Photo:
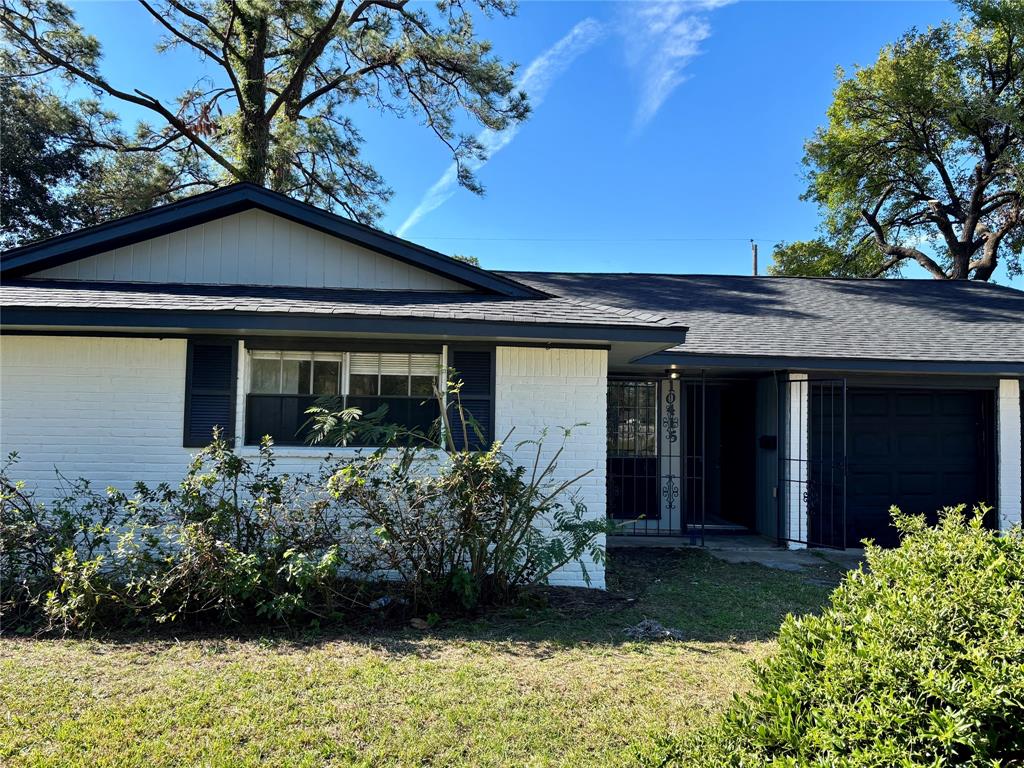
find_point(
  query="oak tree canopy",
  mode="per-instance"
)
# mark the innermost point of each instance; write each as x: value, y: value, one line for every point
x: 922, y: 158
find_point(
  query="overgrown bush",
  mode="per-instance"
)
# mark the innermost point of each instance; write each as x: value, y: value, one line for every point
x: 236, y: 541
x: 918, y: 661
x: 463, y: 529
x: 460, y: 528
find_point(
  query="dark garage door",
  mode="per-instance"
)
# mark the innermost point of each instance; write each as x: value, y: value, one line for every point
x: 918, y: 449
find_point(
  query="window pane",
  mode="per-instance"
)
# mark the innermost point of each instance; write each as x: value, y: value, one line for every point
x: 394, y: 385
x: 325, y: 377
x: 362, y: 384
x: 423, y: 385
x: 295, y: 377
x: 266, y: 375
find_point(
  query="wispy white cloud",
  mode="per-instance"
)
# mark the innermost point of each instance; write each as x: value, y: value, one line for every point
x: 536, y: 80
x: 661, y: 39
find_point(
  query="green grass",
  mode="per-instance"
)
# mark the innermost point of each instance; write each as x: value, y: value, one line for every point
x: 555, y: 685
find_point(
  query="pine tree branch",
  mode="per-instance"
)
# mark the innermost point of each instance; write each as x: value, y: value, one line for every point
x: 181, y: 35
x: 138, y: 98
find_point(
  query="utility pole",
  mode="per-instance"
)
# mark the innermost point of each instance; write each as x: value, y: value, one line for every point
x: 753, y: 252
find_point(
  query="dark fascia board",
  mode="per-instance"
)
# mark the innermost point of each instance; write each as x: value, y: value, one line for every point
x: 1009, y: 368
x: 241, y: 323
x: 236, y: 198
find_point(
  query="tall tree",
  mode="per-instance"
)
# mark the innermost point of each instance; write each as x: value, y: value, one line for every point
x: 922, y: 159
x: 55, y: 175
x: 276, y: 109
x: 57, y: 170
x: 42, y: 161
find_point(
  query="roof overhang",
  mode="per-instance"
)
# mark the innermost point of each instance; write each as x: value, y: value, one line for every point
x: 625, y: 343
x: 236, y: 198
x: 689, y: 361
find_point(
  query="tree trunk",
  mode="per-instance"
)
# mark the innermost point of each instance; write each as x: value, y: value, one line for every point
x: 961, y: 261
x: 986, y: 265
x: 252, y: 139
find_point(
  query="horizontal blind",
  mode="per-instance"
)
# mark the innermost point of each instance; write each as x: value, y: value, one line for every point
x: 364, y: 362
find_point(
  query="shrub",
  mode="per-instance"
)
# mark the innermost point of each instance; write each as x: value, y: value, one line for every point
x: 917, y: 661
x: 234, y: 541
x: 466, y: 528
x: 460, y: 528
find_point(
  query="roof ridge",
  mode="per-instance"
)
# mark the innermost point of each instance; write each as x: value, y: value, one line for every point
x: 637, y: 314
x: 808, y: 278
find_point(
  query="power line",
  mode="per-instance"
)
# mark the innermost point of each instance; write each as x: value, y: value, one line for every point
x: 597, y: 239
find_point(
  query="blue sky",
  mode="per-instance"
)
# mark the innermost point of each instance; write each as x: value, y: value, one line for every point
x: 664, y: 137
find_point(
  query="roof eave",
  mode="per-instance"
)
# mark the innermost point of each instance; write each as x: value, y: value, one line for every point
x: 1009, y: 368
x: 55, y: 319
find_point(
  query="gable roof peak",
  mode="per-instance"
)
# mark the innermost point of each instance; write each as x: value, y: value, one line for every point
x: 235, y: 198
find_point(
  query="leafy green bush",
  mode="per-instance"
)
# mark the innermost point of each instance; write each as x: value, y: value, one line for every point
x: 918, y: 661
x: 234, y: 541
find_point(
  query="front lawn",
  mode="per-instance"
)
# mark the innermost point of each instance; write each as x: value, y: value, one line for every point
x: 557, y: 685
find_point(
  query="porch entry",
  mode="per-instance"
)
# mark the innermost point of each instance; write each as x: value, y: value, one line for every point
x: 681, y: 455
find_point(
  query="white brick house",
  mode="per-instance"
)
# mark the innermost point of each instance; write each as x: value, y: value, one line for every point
x: 797, y: 409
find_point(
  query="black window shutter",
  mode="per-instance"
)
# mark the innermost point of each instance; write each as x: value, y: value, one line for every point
x: 475, y: 368
x: 210, y: 381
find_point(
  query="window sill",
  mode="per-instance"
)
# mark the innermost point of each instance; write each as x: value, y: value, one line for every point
x: 318, y: 452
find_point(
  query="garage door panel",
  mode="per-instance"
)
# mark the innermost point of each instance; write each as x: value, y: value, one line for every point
x: 916, y: 485
x: 868, y: 404
x: 877, y: 485
x: 959, y: 446
x: 873, y: 444
x: 919, y: 444
x: 914, y: 404
x: 917, y: 449
x: 956, y: 404
x: 959, y: 488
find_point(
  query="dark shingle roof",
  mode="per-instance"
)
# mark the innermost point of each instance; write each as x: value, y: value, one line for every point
x: 456, y: 306
x: 926, y: 320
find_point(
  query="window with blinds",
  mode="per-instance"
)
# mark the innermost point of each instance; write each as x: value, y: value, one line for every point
x: 283, y: 384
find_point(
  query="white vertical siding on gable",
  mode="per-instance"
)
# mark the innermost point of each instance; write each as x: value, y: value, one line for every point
x: 176, y: 264
x: 253, y: 248
x: 158, y: 254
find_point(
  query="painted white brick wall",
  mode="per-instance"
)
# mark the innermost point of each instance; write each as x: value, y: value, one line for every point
x: 551, y: 388
x: 111, y: 410
x: 1009, y: 453
x: 108, y: 409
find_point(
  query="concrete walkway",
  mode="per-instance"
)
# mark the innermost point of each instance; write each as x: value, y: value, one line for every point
x: 750, y: 549
x: 773, y: 556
